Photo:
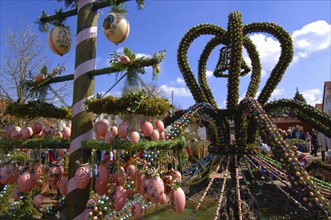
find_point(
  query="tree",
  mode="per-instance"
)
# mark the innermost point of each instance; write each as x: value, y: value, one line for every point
x: 23, y: 58
x: 298, y: 96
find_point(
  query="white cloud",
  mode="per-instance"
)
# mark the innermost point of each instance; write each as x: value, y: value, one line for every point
x: 277, y: 92
x: 180, y: 81
x: 138, y: 55
x: 181, y: 91
x: 209, y: 73
x: 311, y: 38
x: 312, y: 96
x: 269, y: 52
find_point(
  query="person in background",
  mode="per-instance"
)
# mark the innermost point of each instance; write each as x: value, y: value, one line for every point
x: 298, y: 133
x: 323, y: 144
x: 314, y: 143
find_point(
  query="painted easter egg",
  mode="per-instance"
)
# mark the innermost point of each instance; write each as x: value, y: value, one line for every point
x: 59, y: 40
x: 116, y: 27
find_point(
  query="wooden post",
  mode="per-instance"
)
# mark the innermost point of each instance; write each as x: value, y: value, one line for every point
x: 82, y: 121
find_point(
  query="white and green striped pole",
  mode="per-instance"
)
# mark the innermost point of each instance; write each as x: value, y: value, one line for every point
x: 82, y: 121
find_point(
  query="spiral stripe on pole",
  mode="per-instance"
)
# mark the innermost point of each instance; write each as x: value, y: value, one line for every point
x: 82, y: 121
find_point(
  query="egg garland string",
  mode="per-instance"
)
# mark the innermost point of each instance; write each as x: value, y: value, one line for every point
x: 277, y: 164
x: 238, y: 188
x: 198, y: 170
x: 219, y: 201
x: 288, y: 195
x: 204, y: 193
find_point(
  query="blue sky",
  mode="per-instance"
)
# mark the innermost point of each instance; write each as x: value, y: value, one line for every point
x: 162, y: 24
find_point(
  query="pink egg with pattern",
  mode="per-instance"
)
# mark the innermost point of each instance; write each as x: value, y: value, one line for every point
x: 119, y: 198
x: 37, y: 128
x: 136, y: 210
x: 26, y: 133
x: 134, y: 137
x: 123, y: 129
x: 82, y: 177
x: 38, y: 200
x: 24, y: 182
x: 100, y: 187
x: 155, y: 136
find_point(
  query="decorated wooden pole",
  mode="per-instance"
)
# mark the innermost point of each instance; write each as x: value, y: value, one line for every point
x: 82, y: 121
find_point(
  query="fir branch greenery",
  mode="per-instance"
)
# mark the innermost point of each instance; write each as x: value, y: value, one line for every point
x: 35, y: 143
x: 141, y: 145
x: 34, y: 109
x: 132, y: 102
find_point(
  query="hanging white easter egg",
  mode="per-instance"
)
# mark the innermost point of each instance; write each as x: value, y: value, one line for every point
x: 116, y: 27
x: 59, y: 40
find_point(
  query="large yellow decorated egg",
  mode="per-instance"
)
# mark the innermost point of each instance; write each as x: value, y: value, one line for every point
x: 116, y: 27
x: 59, y: 40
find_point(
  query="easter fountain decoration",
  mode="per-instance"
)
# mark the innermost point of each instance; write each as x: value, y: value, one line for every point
x: 250, y: 118
x: 132, y: 175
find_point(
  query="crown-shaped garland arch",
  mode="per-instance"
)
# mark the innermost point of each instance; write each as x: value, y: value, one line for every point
x: 249, y: 115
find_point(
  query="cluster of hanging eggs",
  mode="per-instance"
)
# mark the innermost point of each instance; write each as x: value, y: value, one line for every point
x: 104, y: 131
x: 115, y: 27
x: 37, y: 130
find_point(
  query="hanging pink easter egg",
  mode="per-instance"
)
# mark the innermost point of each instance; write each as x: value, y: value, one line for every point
x: 5, y: 174
x: 121, y: 175
x: 82, y: 177
x: 8, y: 131
x: 100, y: 187
x: 123, y: 129
x: 15, y: 134
x: 16, y: 194
x: 39, y: 78
x: 155, y: 189
x: 131, y: 170
x: 109, y: 137
x: 116, y: 27
x: 136, y: 210
x: 66, y: 133
x: 38, y: 200
x: 119, y: 198
x: 26, y: 133
x: 177, y: 199
x: 125, y: 60
x: 159, y: 126
x: 101, y: 127
x: 54, y: 176
x: 59, y: 40
x: 24, y: 182
x: 114, y: 130
x: 62, y: 185
x: 37, y: 127
x: 129, y: 193
x: 134, y: 137
x: 103, y: 172
x: 155, y: 136
x: 177, y: 176
x: 162, y: 135
x: 146, y: 128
